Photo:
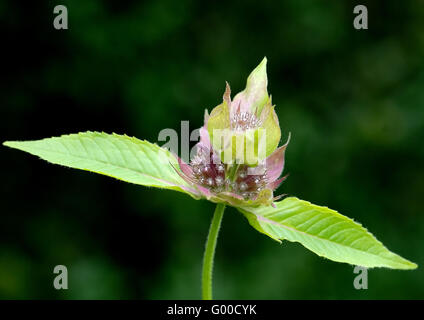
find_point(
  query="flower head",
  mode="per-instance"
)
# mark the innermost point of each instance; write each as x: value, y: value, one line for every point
x: 237, y: 159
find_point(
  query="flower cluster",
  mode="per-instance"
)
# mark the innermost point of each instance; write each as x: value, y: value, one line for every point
x: 220, y: 171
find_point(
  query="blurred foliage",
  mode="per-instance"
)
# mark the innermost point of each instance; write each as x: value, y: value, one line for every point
x: 353, y: 101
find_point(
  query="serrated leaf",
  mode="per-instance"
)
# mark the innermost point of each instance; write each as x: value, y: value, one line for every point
x: 325, y: 232
x: 118, y: 156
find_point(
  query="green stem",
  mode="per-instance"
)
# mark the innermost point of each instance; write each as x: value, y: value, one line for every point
x: 210, y: 252
x: 233, y: 171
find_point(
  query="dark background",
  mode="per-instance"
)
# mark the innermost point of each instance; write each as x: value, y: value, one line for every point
x: 352, y: 99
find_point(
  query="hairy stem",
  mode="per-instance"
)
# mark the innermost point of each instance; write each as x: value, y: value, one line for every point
x: 210, y: 252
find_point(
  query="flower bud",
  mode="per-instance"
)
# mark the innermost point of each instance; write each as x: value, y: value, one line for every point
x: 245, y: 130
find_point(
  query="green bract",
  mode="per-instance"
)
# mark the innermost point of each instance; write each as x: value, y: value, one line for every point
x: 254, y: 97
x: 246, y: 130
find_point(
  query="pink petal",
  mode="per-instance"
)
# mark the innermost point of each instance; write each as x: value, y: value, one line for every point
x: 206, y: 118
x: 187, y: 174
x: 185, y: 168
x: 227, y: 94
x: 205, y: 191
x: 237, y: 106
x: 204, y: 137
x: 185, y: 177
x: 275, y: 162
x: 204, y: 141
x: 276, y: 183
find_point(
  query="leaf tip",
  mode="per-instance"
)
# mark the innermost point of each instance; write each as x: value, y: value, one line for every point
x: 10, y: 144
x: 411, y: 266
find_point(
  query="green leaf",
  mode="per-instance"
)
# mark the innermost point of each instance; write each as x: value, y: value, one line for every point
x: 118, y: 156
x: 325, y: 232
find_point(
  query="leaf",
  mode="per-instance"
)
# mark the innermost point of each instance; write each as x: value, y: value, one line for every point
x: 118, y: 156
x: 325, y: 232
